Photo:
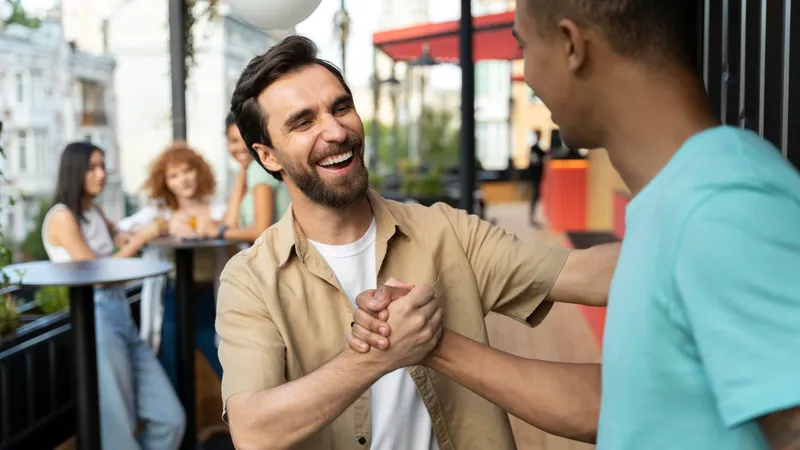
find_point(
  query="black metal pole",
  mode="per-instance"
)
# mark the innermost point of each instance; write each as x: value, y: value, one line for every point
x: 467, y: 161
x: 81, y: 299
x: 395, y: 126
x: 184, y: 266
x: 177, y: 56
x: 344, y: 41
x: 376, y: 100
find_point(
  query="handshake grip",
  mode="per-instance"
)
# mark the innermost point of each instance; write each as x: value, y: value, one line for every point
x: 398, y: 324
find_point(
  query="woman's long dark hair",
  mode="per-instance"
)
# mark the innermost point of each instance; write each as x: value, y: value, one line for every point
x: 72, y: 176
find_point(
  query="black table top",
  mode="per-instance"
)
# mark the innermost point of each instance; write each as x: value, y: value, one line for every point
x: 172, y: 242
x: 84, y: 273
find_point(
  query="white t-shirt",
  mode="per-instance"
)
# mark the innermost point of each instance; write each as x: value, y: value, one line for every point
x: 399, y: 418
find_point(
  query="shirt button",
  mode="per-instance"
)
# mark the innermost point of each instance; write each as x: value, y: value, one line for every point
x: 362, y: 440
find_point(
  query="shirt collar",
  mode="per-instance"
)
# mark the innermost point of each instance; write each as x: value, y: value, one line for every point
x: 290, y: 237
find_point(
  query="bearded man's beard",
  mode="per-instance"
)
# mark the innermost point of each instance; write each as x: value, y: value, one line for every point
x: 342, y: 191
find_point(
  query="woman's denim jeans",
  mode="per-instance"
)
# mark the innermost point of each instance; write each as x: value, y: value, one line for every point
x: 133, y: 386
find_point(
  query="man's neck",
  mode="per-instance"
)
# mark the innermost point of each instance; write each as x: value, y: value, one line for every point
x: 648, y: 123
x: 333, y: 226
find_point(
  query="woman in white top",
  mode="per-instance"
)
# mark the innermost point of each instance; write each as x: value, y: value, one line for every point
x: 133, y: 387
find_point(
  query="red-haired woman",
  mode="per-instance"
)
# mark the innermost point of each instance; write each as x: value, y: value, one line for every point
x: 180, y: 186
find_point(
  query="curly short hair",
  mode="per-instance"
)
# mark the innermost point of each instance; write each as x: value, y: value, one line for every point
x: 289, y: 56
x: 639, y: 29
x: 178, y: 153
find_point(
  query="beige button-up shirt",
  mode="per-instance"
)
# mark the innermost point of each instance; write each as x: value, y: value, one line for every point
x: 281, y: 313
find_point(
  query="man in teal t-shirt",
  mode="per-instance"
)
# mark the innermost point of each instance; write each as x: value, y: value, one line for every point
x: 702, y: 337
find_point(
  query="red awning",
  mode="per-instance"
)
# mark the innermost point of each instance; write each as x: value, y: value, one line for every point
x: 492, y: 40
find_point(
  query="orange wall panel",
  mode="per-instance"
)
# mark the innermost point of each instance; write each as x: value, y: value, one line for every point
x: 564, y: 194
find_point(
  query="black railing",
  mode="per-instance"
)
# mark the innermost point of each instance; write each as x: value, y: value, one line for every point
x: 749, y: 52
x: 37, y: 402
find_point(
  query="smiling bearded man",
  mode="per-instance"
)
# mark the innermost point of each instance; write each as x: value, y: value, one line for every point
x: 286, y: 304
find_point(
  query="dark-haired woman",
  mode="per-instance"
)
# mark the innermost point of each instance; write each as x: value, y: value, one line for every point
x: 133, y: 387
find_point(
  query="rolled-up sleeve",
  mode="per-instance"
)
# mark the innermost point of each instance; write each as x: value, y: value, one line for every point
x: 513, y: 275
x: 251, y: 350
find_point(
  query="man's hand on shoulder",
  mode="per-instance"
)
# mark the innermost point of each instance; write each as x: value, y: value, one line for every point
x: 402, y: 322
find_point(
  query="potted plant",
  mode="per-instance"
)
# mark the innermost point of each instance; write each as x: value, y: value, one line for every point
x: 52, y: 299
x: 9, y: 317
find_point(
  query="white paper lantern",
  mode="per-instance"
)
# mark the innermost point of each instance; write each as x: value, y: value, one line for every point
x: 274, y: 14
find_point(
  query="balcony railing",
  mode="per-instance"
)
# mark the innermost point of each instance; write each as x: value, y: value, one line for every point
x: 37, y: 379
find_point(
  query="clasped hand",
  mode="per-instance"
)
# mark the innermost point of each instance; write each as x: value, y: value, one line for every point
x: 404, y: 322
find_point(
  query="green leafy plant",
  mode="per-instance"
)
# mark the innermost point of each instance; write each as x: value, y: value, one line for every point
x: 20, y: 16
x: 9, y: 317
x: 440, y: 138
x: 52, y: 299
x: 33, y: 247
x: 190, y: 19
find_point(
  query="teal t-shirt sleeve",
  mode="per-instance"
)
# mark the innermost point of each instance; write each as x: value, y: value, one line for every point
x: 738, y: 276
x: 257, y: 175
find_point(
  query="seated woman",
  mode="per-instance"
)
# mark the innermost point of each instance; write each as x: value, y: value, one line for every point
x: 180, y: 186
x: 258, y: 199
x: 133, y: 387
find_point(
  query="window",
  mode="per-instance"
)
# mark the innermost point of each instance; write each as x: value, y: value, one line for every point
x: 19, y: 84
x: 40, y: 144
x: 37, y: 87
x: 22, y: 150
x: 91, y: 98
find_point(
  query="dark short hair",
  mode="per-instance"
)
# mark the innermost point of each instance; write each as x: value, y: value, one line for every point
x: 287, y: 57
x: 648, y: 30
x: 70, y: 187
x: 229, y: 121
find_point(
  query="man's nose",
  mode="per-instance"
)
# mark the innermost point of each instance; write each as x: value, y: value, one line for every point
x: 333, y: 131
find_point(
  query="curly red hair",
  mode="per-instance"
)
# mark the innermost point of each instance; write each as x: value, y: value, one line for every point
x: 178, y: 153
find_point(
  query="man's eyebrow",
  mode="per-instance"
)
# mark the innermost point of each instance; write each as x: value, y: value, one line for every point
x: 296, y: 116
x: 342, y: 99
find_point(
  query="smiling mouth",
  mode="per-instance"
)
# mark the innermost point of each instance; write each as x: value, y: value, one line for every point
x: 336, y: 162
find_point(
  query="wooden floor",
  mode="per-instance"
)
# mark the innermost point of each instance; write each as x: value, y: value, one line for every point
x: 563, y: 336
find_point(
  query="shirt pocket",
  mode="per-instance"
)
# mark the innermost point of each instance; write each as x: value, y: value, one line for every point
x: 460, y: 302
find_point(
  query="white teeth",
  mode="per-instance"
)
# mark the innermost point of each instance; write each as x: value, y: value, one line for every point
x: 336, y: 159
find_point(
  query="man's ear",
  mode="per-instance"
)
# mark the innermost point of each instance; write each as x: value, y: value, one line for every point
x: 574, y: 41
x: 267, y: 157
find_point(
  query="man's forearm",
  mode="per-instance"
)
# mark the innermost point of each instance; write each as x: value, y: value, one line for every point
x: 286, y: 415
x: 559, y: 398
x: 586, y: 276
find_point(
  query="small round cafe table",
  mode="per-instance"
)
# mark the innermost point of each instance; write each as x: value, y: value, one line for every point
x: 81, y: 277
x: 184, y: 283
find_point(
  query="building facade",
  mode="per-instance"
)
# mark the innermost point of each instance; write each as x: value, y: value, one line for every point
x: 138, y: 39
x: 136, y: 34
x: 493, y: 138
x: 51, y: 94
